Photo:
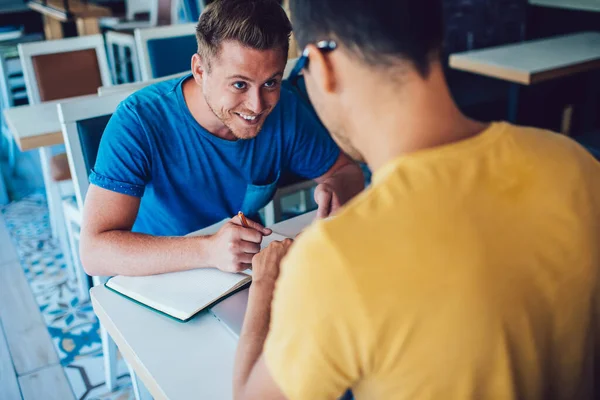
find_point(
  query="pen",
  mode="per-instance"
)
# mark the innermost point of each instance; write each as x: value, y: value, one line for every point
x: 243, y: 219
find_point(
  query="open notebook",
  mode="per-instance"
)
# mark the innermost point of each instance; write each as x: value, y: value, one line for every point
x: 181, y: 295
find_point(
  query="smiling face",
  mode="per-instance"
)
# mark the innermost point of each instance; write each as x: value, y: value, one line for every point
x: 241, y: 86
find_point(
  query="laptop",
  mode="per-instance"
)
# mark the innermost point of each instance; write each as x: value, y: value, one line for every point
x: 231, y: 311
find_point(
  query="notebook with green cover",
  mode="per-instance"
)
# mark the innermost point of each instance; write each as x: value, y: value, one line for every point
x: 182, y: 295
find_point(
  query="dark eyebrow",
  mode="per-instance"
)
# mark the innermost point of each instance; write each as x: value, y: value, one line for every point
x: 276, y: 75
x: 242, y: 77
x: 245, y: 78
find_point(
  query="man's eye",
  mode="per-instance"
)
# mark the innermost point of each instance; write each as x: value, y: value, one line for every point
x: 239, y: 85
x: 271, y: 84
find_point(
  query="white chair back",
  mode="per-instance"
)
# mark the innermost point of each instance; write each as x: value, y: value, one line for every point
x: 143, y: 36
x: 27, y: 51
x: 108, y: 90
x: 72, y: 113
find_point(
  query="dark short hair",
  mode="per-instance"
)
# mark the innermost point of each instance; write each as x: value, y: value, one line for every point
x: 257, y: 24
x: 379, y: 32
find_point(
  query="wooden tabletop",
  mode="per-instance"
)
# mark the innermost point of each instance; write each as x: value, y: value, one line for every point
x: 35, y: 126
x: 534, y: 61
x: 77, y: 8
x: 584, y: 5
x: 175, y: 360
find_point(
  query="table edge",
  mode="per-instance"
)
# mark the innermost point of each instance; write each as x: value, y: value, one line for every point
x: 126, y: 350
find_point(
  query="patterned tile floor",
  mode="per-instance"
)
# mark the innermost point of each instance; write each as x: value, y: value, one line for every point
x: 72, y: 324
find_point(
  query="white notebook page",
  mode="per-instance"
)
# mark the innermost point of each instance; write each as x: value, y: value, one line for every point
x: 179, y: 294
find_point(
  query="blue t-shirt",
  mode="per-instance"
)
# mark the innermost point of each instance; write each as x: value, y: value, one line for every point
x: 188, y: 178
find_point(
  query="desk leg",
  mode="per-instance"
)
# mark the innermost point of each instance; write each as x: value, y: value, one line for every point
x: 109, y: 350
x: 139, y: 389
x: 87, y: 26
x: 592, y: 101
x: 52, y: 28
x: 513, y: 102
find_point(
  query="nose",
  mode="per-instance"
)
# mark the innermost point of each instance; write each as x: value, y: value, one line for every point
x: 255, y: 101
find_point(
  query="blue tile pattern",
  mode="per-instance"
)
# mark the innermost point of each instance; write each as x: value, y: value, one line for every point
x: 72, y: 324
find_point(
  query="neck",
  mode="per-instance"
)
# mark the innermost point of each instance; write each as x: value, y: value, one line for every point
x: 409, y: 115
x: 204, y: 116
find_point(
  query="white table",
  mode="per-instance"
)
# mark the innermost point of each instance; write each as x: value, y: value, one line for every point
x: 175, y: 360
x: 584, y: 5
x: 533, y: 61
x: 36, y: 126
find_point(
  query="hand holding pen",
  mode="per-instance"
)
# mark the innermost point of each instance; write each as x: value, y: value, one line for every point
x: 234, y: 245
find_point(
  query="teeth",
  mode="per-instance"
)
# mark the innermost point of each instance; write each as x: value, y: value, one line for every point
x: 247, y: 117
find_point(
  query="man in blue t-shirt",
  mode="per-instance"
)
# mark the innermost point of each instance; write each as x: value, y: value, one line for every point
x: 184, y: 154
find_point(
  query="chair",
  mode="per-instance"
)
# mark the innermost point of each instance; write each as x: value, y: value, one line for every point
x: 83, y: 123
x: 165, y: 50
x: 122, y: 57
x: 106, y: 90
x: 190, y: 10
x: 59, y: 69
x: 138, y: 14
x: 12, y: 86
x: 12, y: 93
x: 274, y: 211
x: 120, y: 43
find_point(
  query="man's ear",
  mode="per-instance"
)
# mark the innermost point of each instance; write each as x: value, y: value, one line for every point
x: 198, y: 68
x: 321, y: 69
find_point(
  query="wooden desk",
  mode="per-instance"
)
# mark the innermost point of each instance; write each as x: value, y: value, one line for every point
x: 534, y: 61
x: 175, y: 360
x: 36, y: 126
x: 583, y: 5
x: 33, y: 127
x: 85, y: 16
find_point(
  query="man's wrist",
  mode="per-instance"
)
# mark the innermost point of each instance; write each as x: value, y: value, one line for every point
x: 202, y: 253
x: 263, y: 286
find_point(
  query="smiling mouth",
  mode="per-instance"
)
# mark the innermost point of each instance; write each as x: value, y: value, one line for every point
x: 249, y: 119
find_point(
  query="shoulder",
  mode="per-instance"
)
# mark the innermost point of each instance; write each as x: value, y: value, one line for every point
x: 530, y: 137
x: 553, y: 151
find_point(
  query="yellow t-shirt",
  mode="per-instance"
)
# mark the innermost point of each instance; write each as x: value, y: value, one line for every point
x: 468, y: 271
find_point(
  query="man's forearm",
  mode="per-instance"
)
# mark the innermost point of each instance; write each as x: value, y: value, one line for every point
x: 127, y: 253
x: 253, y: 335
x: 347, y: 182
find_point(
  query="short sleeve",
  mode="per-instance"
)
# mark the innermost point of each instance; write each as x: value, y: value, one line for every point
x: 318, y: 339
x: 123, y: 162
x: 310, y: 150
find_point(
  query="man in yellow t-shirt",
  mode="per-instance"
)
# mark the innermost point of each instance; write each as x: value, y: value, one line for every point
x: 469, y: 268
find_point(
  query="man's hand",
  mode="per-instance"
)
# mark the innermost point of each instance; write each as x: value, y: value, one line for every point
x: 265, y: 265
x: 338, y: 185
x: 265, y: 270
x: 233, y: 246
x: 327, y: 200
